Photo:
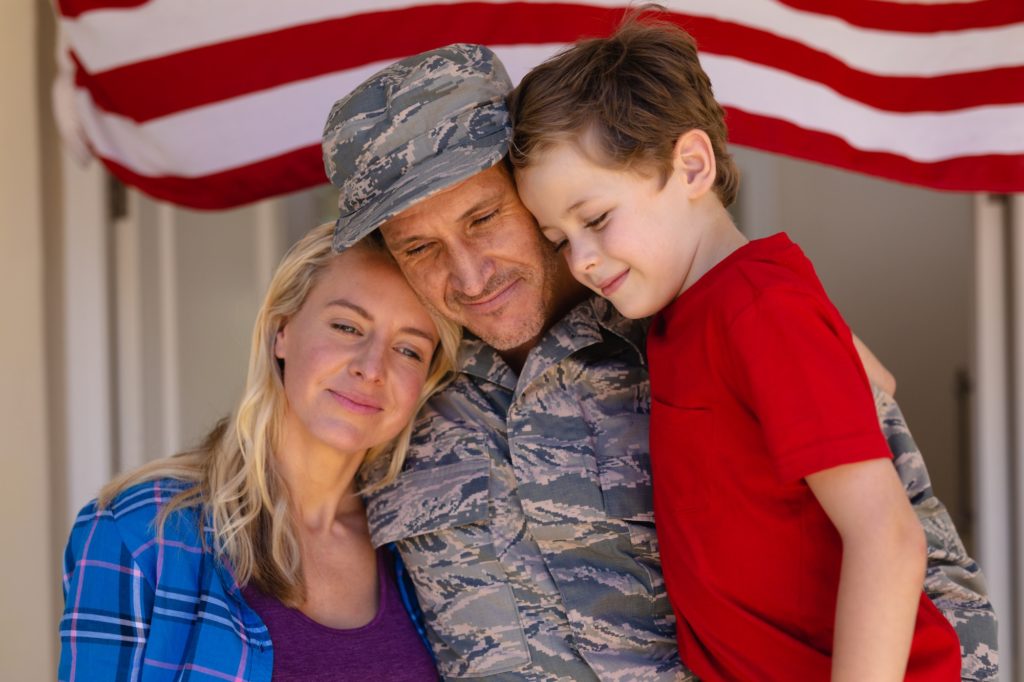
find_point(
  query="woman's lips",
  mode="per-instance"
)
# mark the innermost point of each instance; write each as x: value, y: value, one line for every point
x: 356, y: 403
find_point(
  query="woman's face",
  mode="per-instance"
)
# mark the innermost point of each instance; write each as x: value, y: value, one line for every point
x: 356, y: 355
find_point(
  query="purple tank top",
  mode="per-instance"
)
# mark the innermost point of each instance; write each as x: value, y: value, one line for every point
x: 386, y: 648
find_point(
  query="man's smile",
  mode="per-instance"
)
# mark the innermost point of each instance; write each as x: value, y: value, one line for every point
x: 491, y: 302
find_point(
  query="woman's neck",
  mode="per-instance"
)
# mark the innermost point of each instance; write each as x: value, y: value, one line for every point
x: 321, y: 483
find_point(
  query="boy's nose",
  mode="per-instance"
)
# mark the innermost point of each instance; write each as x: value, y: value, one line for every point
x: 582, y: 257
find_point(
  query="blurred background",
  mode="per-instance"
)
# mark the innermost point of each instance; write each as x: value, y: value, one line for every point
x: 131, y: 282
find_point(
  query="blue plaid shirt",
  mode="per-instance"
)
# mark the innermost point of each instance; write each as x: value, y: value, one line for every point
x: 138, y: 608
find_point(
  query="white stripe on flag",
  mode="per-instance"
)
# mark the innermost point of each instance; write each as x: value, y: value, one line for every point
x: 921, y: 136
x: 188, y: 24
x: 224, y: 135
x: 105, y: 39
x: 891, y: 53
x: 247, y: 129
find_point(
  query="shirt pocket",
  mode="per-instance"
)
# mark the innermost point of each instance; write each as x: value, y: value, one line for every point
x: 438, y: 517
x: 624, y: 467
x: 681, y: 445
x: 624, y: 473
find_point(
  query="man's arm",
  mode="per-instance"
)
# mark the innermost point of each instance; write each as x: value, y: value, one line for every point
x: 953, y: 580
x: 874, y: 623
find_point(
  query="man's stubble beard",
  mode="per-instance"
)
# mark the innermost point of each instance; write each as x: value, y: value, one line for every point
x: 527, y: 330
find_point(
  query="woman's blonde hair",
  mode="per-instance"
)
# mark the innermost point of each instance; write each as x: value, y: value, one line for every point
x: 236, y: 484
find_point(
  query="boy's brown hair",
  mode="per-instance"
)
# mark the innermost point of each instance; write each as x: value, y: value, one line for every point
x: 637, y: 91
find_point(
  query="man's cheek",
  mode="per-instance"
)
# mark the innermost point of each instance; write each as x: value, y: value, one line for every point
x: 420, y: 279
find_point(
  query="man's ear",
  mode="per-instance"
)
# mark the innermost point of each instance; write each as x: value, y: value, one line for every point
x: 693, y: 158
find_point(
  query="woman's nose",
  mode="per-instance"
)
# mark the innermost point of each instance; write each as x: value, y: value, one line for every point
x: 368, y: 363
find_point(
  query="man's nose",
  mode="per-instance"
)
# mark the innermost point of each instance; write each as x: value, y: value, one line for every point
x: 469, y: 270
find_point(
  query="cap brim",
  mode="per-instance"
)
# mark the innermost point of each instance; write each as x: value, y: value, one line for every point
x: 424, y: 180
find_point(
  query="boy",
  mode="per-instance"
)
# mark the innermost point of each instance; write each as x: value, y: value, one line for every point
x: 789, y: 547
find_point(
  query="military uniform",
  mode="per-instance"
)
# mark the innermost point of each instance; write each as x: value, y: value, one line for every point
x: 953, y: 581
x: 524, y: 517
x: 524, y: 513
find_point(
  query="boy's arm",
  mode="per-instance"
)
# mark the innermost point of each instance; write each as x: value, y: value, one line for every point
x: 874, y: 619
x: 953, y: 581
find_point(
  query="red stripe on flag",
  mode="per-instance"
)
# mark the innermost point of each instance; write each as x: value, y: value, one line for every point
x: 73, y: 8
x: 214, y: 73
x: 290, y: 172
x: 987, y: 173
x: 888, y: 93
x: 917, y: 18
x: 302, y: 168
x: 162, y: 86
x: 879, y: 14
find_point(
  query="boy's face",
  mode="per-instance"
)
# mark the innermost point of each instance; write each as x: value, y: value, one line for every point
x: 623, y: 234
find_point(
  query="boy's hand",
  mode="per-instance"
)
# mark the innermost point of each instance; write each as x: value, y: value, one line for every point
x: 876, y: 371
x: 881, y: 536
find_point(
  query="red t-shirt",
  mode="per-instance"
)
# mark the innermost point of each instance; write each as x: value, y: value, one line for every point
x: 755, y: 384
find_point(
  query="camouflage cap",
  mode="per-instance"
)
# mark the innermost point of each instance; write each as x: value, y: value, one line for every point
x: 413, y: 129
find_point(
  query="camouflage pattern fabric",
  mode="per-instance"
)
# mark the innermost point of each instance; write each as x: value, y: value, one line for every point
x: 524, y: 513
x: 524, y: 517
x: 418, y: 126
x: 953, y: 581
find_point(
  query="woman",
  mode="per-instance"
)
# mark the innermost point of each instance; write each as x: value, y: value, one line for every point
x: 249, y: 558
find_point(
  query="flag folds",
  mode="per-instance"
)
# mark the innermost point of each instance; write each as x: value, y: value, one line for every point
x: 215, y: 104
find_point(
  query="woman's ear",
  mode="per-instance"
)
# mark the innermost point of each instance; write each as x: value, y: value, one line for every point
x: 279, y: 343
x: 694, y: 158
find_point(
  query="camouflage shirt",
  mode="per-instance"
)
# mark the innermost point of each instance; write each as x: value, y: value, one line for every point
x: 953, y: 580
x: 524, y: 516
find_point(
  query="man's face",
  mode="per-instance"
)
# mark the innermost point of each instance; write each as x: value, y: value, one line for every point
x: 474, y: 253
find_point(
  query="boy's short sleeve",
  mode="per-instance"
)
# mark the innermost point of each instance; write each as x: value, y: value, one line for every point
x: 795, y: 366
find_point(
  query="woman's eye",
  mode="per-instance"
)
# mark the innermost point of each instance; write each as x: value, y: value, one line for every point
x: 344, y: 328
x: 410, y: 353
x: 560, y: 245
x: 597, y: 223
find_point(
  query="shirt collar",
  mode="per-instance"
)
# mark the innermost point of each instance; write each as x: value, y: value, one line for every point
x: 585, y: 325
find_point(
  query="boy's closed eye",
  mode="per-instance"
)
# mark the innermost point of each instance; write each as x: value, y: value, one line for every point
x: 597, y: 223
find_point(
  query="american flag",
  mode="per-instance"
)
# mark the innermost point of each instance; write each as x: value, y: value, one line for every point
x: 215, y: 103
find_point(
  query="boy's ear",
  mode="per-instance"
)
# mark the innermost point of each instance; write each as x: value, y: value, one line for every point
x: 694, y: 158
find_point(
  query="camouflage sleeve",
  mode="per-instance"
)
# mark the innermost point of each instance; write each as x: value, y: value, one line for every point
x: 953, y: 580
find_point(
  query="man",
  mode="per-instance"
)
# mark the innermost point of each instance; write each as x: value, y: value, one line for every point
x: 524, y: 509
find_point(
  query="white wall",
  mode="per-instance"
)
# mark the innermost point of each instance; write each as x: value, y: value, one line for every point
x: 187, y: 290
x: 27, y: 572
